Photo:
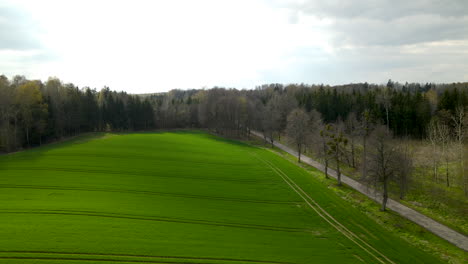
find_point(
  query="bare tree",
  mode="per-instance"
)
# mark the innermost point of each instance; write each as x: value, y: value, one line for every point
x: 315, y: 124
x: 297, y: 129
x: 365, y: 130
x: 351, y: 129
x: 322, y: 148
x: 384, y: 99
x: 433, y: 137
x: 405, y: 168
x: 317, y: 141
x: 336, y: 144
x: 282, y: 106
x: 270, y: 122
x: 444, y: 138
x: 383, y: 160
x: 460, y: 121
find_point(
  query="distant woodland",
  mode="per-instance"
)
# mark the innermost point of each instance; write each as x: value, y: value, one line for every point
x: 361, y: 126
x: 33, y: 111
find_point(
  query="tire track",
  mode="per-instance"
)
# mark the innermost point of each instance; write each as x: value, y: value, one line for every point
x: 158, y: 219
x: 160, y: 158
x: 181, y: 195
x: 135, y: 173
x: 101, y: 260
x: 326, y: 216
x: 139, y: 258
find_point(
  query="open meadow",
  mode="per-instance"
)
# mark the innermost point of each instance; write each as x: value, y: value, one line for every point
x: 178, y: 197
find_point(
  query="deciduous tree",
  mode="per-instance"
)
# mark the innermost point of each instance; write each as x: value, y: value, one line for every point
x: 297, y: 129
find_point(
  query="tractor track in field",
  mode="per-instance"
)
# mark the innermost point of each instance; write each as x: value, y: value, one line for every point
x: 377, y: 255
x: 136, y: 258
x: 159, y: 219
x: 136, y: 173
x: 178, y: 161
x: 179, y: 195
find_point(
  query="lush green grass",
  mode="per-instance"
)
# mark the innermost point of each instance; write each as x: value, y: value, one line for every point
x: 176, y: 197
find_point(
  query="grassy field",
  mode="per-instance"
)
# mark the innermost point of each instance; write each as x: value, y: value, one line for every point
x: 180, y: 197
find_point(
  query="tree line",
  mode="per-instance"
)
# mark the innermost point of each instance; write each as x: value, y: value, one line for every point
x: 32, y: 112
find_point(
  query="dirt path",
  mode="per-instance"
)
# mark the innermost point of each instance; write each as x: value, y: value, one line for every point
x: 433, y: 226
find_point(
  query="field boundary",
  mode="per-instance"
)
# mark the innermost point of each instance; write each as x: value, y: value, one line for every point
x: 428, y: 223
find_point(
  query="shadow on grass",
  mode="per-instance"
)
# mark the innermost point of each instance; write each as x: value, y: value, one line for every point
x: 36, y: 152
x: 226, y: 140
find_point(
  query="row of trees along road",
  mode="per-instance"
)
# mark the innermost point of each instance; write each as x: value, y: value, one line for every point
x: 363, y: 126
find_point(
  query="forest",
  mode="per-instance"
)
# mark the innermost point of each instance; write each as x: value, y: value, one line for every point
x: 371, y: 131
x: 33, y: 111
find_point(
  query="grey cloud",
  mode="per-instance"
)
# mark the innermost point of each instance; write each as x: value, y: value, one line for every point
x: 406, y: 30
x: 428, y: 63
x: 397, y: 22
x: 17, y: 30
x: 378, y: 9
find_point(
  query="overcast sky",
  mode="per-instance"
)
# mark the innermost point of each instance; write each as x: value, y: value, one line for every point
x: 154, y: 46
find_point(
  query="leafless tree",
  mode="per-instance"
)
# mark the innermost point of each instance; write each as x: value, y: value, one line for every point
x: 316, y: 141
x: 433, y: 137
x: 460, y: 120
x: 444, y: 138
x: 384, y: 99
x: 282, y: 106
x: 351, y: 130
x: 365, y: 128
x: 405, y: 168
x: 315, y: 125
x: 270, y: 122
x: 336, y: 145
x: 383, y: 160
x: 297, y: 129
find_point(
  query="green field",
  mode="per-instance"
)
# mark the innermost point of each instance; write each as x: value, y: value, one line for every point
x: 181, y: 197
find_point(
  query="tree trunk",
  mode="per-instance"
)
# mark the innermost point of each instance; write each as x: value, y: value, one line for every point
x: 326, y: 168
x: 15, y: 139
x: 447, y: 172
x: 299, y: 153
x: 462, y: 167
x: 7, y: 134
x: 364, y: 158
x: 402, y: 187
x: 338, y: 171
x: 27, y: 136
x: 434, y: 163
x: 388, y: 122
x: 385, y: 194
x: 353, y: 161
